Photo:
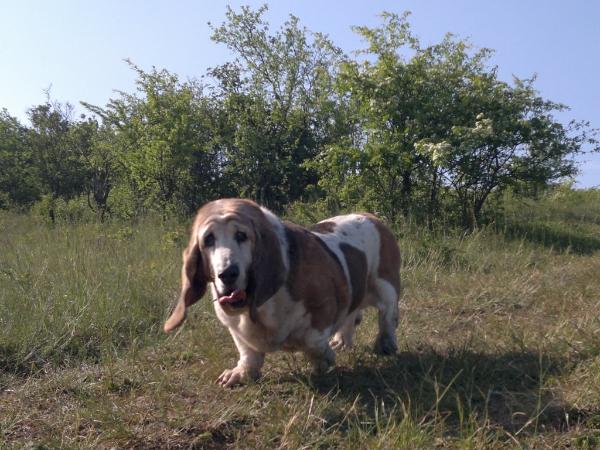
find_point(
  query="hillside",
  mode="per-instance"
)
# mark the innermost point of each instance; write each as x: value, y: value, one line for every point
x: 499, y: 344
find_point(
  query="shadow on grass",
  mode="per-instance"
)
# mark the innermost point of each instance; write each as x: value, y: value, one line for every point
x: 504, y: 390
x: 13, y: 362
x: 548, y: 236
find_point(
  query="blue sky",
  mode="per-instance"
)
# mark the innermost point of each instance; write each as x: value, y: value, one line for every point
x: 78, y: 47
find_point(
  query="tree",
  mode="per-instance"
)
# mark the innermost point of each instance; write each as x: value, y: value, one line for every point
x: 438, y: 130
x: 278, y: 94
x: 18, y: 178
x: 513, y: 140
x: 164, y: 140
x: 55, y: 152
x: 97, y: 147
x: 394, y: 101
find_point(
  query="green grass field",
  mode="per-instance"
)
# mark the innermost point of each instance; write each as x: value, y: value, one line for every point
x: 499, y: 345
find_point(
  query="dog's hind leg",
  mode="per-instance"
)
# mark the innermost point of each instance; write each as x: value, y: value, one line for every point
x: 387, y: 305
x: 319, y: 352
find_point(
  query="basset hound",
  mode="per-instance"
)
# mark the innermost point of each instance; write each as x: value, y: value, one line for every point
x: 279, y: 286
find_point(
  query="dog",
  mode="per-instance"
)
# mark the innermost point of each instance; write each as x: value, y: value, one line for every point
x: 279, y: 286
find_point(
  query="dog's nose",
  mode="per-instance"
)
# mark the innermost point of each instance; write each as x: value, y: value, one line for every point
x: 229, y: 275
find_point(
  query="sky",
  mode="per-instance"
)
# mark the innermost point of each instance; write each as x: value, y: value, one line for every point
x: 77, y: 47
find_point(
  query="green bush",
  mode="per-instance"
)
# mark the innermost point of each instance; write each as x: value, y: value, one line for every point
x: 58, y: 210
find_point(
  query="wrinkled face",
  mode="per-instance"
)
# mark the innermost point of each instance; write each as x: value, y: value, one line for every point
x: 227, y: 243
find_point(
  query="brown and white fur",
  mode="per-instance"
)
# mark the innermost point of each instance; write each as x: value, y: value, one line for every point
x: 304, y: 288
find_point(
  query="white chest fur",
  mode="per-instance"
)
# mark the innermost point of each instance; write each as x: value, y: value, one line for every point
x: 282, y: 323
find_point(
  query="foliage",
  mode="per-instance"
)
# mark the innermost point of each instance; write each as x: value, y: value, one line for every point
x: 279, y: 98
x: 18, y: 178
x: 166, y: 142
x: 439, y: 130
x: 100, y: 162
x: 419, y: 134
x: 56, y: 147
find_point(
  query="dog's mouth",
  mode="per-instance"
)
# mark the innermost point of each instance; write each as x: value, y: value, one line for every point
x: 235, y: 299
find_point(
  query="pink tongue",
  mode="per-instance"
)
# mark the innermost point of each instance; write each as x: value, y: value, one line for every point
x: 235, y: 296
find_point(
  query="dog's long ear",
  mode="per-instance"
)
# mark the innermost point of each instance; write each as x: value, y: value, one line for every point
x: 193, y: 283
x: 267, y: 273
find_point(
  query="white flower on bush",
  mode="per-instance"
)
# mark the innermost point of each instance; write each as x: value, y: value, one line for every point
x: 435, y: 151
x: 483, y: 127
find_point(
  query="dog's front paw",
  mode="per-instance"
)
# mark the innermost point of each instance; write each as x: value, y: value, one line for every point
x: 237, y: 375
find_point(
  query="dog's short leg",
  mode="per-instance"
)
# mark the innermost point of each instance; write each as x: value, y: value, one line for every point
x: 344, y: 337
x: 248, y: 366
x: 320, y: 354
x: 387, y: 305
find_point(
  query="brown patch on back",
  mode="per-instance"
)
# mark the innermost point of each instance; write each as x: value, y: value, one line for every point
x: 316, y: 277
x: 389, y: 254
x: 357, y: 268
x: 323, y: 227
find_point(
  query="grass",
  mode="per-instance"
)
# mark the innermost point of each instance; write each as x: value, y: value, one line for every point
x: 499, y: 346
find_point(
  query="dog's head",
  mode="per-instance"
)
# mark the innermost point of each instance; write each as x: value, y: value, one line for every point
x: 234, y: 247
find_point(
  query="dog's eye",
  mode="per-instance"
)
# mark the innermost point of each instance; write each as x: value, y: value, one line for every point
x: 209, y: 240
x: 240, y: 236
